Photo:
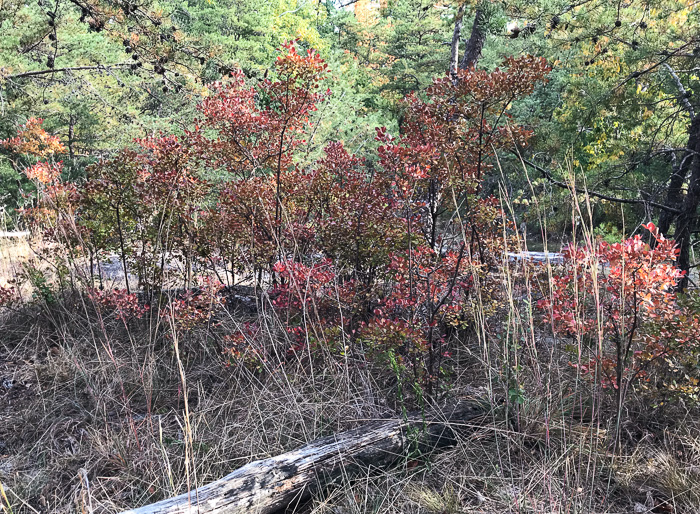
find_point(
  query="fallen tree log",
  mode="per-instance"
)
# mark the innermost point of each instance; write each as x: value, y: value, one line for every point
x: 269, y: 485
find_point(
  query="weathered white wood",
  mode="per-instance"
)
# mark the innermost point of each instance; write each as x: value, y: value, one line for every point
x: 269, y: 485
x: 4, y: 233
x: 540, y: 257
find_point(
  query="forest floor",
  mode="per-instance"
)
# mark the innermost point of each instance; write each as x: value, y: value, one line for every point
x: 99, y: 415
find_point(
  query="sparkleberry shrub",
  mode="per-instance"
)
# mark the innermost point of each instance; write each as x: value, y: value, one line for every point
x: 618, y: 303
x: 311, y: 300
x: 143, y: 205
x: 245, y: 346
x: 124, y: 305
x: 258, y: 128
x: 382, y: 255
x: 256, y: 131
x: 452, y: 235
x: 428, y: 292
x: 355, y: 213
x: 194, y: 307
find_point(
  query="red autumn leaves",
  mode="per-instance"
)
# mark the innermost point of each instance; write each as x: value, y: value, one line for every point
x: 383, y: 253
x: 619, y: 303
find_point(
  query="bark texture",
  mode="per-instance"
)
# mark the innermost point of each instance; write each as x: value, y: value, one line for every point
x: 684, y: 207
x: 270, y: 485
x: 687, y: 220
x: 454, y: 46
x: 476, y: 42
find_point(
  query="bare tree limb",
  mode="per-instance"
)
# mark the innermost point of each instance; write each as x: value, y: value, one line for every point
x: 684, y: 94
x: 63, y: 70
x: 638, y: 201
x: 667, y: 56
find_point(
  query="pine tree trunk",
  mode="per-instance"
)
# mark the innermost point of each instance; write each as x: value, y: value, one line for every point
x: 454, y: 47
x: 674, y: 193
x: 476, y: 42
x: 687, y: 220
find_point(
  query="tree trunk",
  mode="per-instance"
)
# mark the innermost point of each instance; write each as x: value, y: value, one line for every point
x: 674, y: 194
x: 686, y: 222
x: 269, y: 485
x: 689, y: 167
x: 476, y: 42
x: 454, y: 47
x: 71, y: 136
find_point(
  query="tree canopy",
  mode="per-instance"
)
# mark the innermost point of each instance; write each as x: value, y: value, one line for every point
x: 617, y: 111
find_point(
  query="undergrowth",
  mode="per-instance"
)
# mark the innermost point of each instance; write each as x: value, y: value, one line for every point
x: 101, y: 413
x: 169, y: 326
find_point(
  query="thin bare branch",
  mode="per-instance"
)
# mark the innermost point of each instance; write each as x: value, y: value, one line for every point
x: 63, y: 70
x: 638, y: 201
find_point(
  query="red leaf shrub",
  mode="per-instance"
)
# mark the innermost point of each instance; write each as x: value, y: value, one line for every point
x: 619, y: 302
x: 368, y: 256
x: 194, y: 307
x: 125, y: 305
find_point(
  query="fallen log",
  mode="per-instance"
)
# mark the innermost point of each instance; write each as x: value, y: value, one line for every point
x: 538, y: 257
x: 270, y: 485
x: 5, y: 233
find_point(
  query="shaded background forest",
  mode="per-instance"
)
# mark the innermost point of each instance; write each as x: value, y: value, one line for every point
x: 617, y: 109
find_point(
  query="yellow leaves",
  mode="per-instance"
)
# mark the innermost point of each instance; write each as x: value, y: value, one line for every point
x: 637, y: 132
x: 6, y: 72
x: 293, y: 22
x: 378, y: 80
x: 690, y: 388
x: 33, y: 140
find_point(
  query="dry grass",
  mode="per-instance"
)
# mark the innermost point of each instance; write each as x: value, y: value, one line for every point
x: 97, y: 416
x: 14, y: 251
x: 108, y: 404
